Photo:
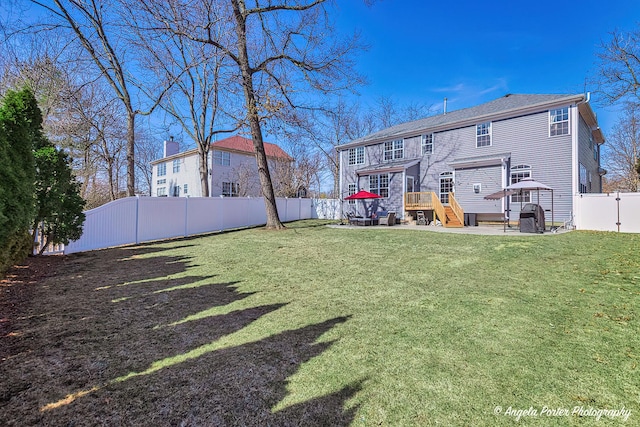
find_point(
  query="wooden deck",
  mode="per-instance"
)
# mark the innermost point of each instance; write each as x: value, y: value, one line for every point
x: 451, y: 215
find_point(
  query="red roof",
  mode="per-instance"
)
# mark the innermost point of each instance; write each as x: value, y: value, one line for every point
x: 238, y: 143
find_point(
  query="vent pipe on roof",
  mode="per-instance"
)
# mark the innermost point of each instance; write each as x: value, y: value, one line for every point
x: 445, y: 107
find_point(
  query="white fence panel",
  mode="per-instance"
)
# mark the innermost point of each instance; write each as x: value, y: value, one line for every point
x: 325, y: 209
x: 203, y: 216
x: 113, y: 224
x: 142, y: 219
x: 256, y: 212
x: 161, y: 218
x: 608, y: 212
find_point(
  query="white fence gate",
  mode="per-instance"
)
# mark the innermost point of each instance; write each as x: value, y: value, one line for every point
x: 142, y: 219
x: 608, y: 212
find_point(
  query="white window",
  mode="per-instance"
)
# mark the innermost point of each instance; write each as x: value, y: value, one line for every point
x: 161, y: 192
x: 221, y: 158
x: 176, y: 166
x: 162, y: 181
x: 559, y: 121
x: 352, y: 191
x: 518, y: 173
x: 584, y: 183
x: 186, y: 189
x: 379, y: 184
x: 230, y: 189
x: 356, y: 156
x: 427, y: 144
x: 394, y: 150
x: 162, y: 169
x: 483, y: 134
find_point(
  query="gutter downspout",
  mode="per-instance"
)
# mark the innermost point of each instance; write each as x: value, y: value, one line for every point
x: 575, y: 160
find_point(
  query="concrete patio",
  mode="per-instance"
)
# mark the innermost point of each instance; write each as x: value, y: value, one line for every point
x: 496, y: 230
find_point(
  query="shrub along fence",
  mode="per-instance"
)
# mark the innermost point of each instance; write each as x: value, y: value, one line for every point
x: 141, y: 219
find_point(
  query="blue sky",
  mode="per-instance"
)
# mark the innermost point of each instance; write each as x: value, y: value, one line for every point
x: 475, y: 51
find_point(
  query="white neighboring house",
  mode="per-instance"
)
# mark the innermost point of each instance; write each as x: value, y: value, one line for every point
x: 233, y: 169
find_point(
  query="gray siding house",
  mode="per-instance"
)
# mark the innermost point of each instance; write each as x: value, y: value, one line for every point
x: 462, y: 156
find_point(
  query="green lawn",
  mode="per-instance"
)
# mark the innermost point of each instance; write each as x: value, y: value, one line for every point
x: 325, y: 326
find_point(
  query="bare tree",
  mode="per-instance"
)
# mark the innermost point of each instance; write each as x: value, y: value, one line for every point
x: 280, y: 50
x: 148, y: 150
x: 342, y: 122
x: 623, y: 151
x: 196, y: 99
x: 618, y: 73
x: 79, y: 116
x: 98, y: 29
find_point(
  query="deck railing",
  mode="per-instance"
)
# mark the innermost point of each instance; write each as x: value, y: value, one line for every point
x: 420, y: 201
x: 426, y: 200
x: 430, y: 201
x: 455, y: 207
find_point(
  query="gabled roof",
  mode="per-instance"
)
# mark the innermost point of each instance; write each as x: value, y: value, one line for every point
x: 233, y: 143
x: 504, y: 107
x: 239, y: 143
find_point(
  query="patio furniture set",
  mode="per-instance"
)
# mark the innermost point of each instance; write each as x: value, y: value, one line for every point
x: 385, y: 218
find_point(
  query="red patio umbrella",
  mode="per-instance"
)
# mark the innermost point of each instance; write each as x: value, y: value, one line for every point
x: 362, y: 195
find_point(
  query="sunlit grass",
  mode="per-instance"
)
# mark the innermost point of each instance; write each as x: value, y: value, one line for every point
x: 436, y: 329
x: 443, y: 327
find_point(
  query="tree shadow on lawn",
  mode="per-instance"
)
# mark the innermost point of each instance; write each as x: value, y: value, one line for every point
x: 226, y: 387
x: 86, y: 327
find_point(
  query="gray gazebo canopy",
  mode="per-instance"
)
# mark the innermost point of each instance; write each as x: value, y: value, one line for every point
x: 526, y: 184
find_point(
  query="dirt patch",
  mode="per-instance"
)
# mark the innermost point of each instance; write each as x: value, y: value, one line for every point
x: 96, y: 339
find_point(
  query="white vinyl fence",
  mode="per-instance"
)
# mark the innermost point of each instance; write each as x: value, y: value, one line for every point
x: 608, y: 212
x: 142, y: 219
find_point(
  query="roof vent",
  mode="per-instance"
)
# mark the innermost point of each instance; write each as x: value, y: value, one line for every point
x: 507, y: 95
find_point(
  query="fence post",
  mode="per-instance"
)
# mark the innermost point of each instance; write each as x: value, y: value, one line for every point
x: 137, y: 218
x: 186, y: 216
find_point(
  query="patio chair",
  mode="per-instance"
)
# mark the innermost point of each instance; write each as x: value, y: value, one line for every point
x: 389, y: 220
x: 421, y: 218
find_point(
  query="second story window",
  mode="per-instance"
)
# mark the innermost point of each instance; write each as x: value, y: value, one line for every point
x: 221, y: 158
x: 559, y: 121
x: 176, y: 166
x: 427, y: 144
x: 483, y: 134
x: 162, y: 169
x: 356, y: 156
x: 394, y: 150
